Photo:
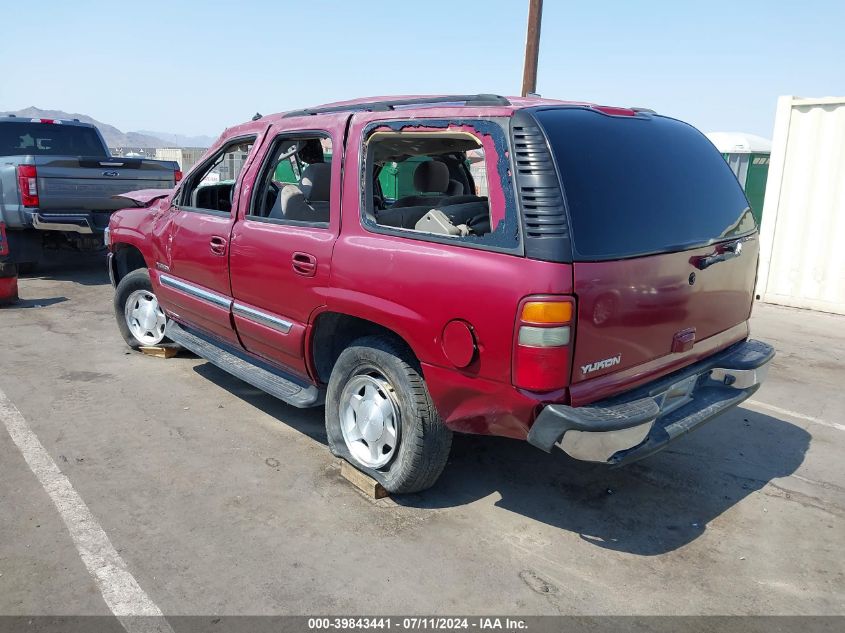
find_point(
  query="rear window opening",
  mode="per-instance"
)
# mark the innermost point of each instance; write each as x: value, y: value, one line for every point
x: 429, y: 182
x: 639, y: 185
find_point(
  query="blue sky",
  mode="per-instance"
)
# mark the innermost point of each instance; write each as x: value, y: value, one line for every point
x: 194, y: 67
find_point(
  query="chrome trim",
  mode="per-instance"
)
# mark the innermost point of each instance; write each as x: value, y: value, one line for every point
x: 600, y: 446
x: 110, y: 265
x: 195, y: 291
x: 262, y: 317
x: 41, y: 224
x: 740, y: 378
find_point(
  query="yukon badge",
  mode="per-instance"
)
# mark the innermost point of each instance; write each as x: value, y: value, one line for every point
x: 601, y: 364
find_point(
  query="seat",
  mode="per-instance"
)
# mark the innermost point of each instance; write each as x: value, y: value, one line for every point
x: 309, y: 200
x: 455, y: 188
x: 431, y: 177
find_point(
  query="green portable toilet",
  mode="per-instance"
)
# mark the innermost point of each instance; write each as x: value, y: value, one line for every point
x: 748, y: 156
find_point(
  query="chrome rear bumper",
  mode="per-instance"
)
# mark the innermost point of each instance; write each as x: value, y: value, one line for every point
x: 67, y: 222
x: 642, y: 422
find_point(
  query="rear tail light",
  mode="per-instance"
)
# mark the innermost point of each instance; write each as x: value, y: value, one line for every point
x: 542, y: 344
x: 4, y: 244
x: 615, y: 111
x: 28, y: 185
x: 177, y: 175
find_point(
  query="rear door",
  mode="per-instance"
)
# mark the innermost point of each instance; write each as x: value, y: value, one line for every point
x: 281, y: 247
x: 194, y: 282
x: 664, y: 244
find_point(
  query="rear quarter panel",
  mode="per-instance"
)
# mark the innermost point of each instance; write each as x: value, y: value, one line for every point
x: 415, y: 288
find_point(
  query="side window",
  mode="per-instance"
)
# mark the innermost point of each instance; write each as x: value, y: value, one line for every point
x: 295, y: 181
x: 212, y: 186
x: 429, y: 182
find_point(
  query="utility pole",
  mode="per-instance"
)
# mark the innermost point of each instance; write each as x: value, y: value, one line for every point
x: 532, y: 47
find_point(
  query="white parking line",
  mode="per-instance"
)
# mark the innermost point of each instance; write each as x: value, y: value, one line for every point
x: 795, y: 414
x: 120, y: 590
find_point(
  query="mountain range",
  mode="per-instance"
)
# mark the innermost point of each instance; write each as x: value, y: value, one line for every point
x: 116, y: 138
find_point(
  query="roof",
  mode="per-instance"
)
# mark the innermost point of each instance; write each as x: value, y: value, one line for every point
x: 740, y: 143
x: 409, y: 102
x: 496, y: 104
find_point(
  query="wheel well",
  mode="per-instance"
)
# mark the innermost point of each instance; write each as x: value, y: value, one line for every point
x: 333, y: 333
x: 126, y: 259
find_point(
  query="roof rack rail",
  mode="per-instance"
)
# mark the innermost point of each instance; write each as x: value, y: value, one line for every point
x: 646, y: 110
x: 382, y: 106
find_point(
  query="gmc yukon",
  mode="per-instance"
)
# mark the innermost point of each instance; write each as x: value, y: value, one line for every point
x: 573, y: 275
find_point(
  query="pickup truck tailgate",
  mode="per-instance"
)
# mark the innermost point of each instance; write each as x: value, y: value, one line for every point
x: 90, y: 183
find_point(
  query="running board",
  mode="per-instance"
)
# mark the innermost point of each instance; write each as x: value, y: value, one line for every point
x: 254, y: 372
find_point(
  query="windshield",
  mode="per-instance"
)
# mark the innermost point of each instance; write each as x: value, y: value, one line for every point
x: 641, y: 185
x: 49, y: 139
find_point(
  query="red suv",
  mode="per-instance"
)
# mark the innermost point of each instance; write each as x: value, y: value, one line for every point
x: 569, y: 274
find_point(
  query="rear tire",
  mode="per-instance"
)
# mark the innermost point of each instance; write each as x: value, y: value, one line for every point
x: 380, y: 417
x: 140, y: 318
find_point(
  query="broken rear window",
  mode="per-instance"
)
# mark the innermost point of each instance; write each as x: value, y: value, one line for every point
x: 430, y: 182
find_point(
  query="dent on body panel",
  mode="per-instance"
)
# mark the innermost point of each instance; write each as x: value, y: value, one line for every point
x: 493, y: 139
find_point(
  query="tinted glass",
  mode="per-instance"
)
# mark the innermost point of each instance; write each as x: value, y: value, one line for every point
x: 639, y: 185
x: 49, y: 139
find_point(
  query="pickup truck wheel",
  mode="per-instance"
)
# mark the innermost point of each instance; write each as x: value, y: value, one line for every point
x: 380, y: 417
x: 140, y: 318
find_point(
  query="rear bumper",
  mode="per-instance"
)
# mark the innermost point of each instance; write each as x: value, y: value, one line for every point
x: 627, y: 428
x: 65, y: 222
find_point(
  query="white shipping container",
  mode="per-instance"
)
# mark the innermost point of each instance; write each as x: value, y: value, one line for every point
x: 802, y: 241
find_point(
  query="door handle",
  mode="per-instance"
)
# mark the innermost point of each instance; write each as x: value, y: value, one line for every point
x: 217, y: 245
x: 304, y: 264
x: 722, y: 253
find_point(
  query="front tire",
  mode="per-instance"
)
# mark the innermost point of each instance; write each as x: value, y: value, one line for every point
x: 380, y: 417
x: 140, y: 318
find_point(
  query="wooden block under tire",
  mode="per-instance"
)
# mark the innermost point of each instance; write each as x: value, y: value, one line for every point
x: 362, y: 481
x: 159, y: 351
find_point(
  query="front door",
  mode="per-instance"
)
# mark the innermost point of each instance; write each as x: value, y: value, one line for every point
x: 194, y: 283
x: 280, y: 253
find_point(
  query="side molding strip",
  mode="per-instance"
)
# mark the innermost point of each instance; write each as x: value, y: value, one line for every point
x: 262, y: 317
x: 196, y: 291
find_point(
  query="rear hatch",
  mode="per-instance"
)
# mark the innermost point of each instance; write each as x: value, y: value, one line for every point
x: 89, y: 183
x: 663, y: 244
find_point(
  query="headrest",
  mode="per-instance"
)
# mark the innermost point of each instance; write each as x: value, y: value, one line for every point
x: 432, y: 176
x: 316, y: 182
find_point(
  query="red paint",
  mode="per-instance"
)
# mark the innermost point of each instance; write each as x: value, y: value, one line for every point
x: 636, y: 306
x: 457, y: 308
x: 8, y: 290
x: 8, y: 272
x: 458, y: 343
x: 612, y: 111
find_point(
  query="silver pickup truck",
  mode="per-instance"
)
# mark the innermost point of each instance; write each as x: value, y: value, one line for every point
x: 58, y: 182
